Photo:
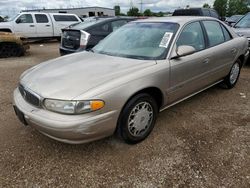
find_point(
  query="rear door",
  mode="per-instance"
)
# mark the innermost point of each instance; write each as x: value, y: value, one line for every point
x: 44, y: 25
x: 188, y: 73
x: 25, y: 26
x: 221, y: 49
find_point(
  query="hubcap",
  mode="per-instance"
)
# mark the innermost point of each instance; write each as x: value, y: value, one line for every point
x: 140, y: 119
x: 234, y: 73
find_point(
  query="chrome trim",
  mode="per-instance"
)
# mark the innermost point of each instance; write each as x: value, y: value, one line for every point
x: 164, y: 108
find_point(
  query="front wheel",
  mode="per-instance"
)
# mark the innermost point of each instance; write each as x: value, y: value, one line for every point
x: 137, y: 118
x: 233, y: 76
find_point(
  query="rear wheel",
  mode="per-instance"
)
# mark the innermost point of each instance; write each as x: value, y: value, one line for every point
x: 233, y: 76
x: 137, y: 118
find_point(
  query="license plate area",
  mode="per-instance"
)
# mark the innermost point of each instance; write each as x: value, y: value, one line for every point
x: 20, y: 115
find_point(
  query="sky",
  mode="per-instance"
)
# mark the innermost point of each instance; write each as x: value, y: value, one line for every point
x: 11, y: 7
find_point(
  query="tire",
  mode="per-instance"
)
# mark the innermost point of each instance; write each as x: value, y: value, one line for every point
x: 137, y: 119
x: 233, y: 76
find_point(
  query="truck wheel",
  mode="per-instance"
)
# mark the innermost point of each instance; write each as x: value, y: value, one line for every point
x: 137, y: 119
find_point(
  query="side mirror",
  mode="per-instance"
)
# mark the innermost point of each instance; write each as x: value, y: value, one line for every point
x: 185, y: 50
x: 18, y: 21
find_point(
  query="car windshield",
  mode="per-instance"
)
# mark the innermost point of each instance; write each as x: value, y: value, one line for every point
x: 139, y: 40
x: 244, y: 22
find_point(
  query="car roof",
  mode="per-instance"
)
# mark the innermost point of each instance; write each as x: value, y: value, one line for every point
x: 177, y: 19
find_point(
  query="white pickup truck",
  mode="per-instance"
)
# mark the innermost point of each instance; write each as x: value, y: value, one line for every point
x: 38, y: 24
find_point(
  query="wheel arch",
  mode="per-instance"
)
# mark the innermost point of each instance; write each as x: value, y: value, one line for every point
x: 6, y: 30
x: 242, y: 59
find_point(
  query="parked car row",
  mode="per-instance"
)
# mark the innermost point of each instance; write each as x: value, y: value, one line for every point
x: 137, y: 71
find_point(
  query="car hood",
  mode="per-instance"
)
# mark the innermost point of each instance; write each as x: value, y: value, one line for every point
x: 70, y: 76
x: 5, y: 25
x: 242, y: 31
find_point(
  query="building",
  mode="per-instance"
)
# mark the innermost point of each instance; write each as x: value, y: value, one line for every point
x: 81, y: 12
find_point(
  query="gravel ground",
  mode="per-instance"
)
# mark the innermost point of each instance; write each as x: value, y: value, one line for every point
x: 202, y: 142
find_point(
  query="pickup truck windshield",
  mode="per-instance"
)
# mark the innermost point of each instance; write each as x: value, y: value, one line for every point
x: 139, y: 40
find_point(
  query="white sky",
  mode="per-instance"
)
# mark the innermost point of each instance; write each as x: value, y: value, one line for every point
x: 11, y: 7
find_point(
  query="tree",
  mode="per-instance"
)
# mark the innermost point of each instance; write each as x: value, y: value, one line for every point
x: 148, y: 12
x: 117, y: 10
x: 237, y: 7
x: 221, y: 7
x: 134, y: 11
x: 206, y: 5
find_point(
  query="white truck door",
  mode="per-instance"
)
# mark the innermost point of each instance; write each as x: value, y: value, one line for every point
x: 44, y: 25
x: 24, y: 25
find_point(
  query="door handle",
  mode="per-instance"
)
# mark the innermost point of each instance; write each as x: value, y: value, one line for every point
x: 233, y: 51
x: 47, y: 25
x: 32, y: 25
x: 206, y: 60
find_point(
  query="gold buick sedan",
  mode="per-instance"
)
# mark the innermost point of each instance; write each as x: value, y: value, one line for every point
x: 122, y: 84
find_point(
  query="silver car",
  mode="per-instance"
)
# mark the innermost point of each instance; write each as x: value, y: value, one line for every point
x: 120, y: 86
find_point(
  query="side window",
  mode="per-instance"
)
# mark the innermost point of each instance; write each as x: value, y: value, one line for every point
x: 65, y: 18
x: 206, y: 12
x: 25, y: 18
x: 214, y: 32
x: 116, y: 24
x: 214, y: 14
x: 192, y: 35
x: 227, y: 35
x: 41, y: 18
x: 244, y: 22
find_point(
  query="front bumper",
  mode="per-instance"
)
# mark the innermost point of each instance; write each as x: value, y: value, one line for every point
x: 72, y: 129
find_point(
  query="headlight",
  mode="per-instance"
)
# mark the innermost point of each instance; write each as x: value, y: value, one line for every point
x: 73, y: 107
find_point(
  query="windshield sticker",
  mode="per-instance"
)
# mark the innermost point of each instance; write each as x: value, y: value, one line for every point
x: 166, y: 40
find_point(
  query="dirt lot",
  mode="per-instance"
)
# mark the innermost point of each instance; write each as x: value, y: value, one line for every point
x: 202, y: 142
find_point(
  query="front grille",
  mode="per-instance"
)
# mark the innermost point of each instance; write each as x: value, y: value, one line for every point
x: 71, y: 39
x: 29, y: 96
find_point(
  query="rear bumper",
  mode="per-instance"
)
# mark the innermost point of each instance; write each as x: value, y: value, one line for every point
x: 72, y: 129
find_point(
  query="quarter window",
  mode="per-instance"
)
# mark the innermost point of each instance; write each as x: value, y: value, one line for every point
x: 41, y: 18
x: 192, y: 35
x: 25, y: 18
x: 214, y: 32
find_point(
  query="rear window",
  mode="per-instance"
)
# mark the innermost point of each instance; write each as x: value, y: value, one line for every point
x: 187, y: 12
x: 84, y: 25
x: 65, y: 18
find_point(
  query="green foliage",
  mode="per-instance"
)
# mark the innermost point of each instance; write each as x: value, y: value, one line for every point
x: 221, y: 7
x: 148, y: 12
x: 237, y: 7
x: 134, y: 11
x: 117, y: 10
x: 206, y: 5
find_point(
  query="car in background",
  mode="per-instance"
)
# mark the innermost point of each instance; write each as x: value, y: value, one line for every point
x: 119, y: 86
x: 38, y: 24
x: 242, y: 27
x: 86, y: 35
x: 196, y: 12
x: 233, y: 19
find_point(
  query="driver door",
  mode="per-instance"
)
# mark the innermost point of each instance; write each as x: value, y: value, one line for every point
x: 188, y: 73
x: 24, y: 26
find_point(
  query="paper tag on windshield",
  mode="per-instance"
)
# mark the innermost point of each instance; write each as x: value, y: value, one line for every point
x: 166, y: 40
